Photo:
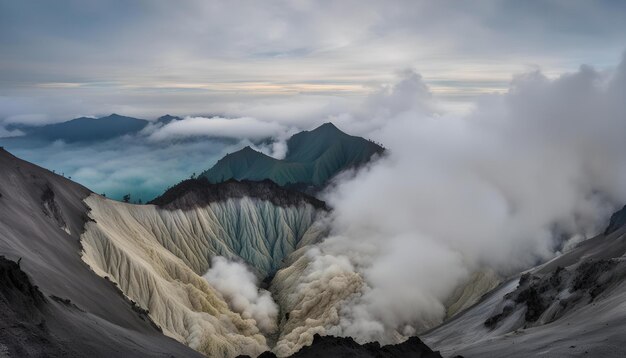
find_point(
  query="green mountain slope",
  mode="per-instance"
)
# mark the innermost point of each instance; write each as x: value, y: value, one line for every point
x: 313, y: 157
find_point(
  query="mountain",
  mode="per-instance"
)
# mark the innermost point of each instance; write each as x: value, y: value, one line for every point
x: 167, y: 119
x: 97, y: 277
x: 85, y: 129
x: 570, y: 306
x: 82, y: 275
x: 313, y: 157
x: 51, y: 302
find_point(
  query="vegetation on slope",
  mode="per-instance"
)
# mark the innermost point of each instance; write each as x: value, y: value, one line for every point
x: 313, y: 157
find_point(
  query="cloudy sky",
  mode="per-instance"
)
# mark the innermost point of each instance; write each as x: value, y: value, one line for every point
x: 282, y: 59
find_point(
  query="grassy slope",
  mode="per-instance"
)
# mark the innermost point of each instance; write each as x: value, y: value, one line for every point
x: 313, y: 158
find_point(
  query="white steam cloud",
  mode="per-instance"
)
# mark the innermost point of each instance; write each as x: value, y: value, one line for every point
x: 268, y: 137
x: 9, y: 133
x: 239, y: 287
x: 218, y: 127
x: 502, y: 188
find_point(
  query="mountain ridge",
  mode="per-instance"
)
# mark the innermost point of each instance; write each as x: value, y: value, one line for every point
x: 88, y: 129
x: 313, y: 158
x: 200, y: 192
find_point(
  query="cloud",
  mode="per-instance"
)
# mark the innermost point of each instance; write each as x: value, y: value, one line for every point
x: 239, y: 287
x: 502, y: 188
x: 10, y: 133
x: 218, y: 127
x: 76, y: 58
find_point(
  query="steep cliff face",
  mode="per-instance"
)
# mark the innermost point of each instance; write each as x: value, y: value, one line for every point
x: 157, y: 257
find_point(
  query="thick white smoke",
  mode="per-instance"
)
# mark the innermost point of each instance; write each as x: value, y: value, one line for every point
x: 238, y: 286
x: 502, y: 188
x: 249, y: 131
x: 218, y: 127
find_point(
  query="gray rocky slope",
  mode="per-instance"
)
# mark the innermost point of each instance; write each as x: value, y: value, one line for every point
x: 42, y: 216
x: 574, y: 305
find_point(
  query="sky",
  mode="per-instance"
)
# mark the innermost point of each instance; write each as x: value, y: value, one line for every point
x: 282, y: 60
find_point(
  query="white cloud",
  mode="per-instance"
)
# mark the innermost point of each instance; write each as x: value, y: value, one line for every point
x: 133, y: 61
x: 10, y: 133
x: 499, y: 188
x: 218, y: 127
x: 239, y: 287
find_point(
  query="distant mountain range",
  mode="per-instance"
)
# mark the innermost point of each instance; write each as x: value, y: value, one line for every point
x: 313, y: 157
x: 87, y: 129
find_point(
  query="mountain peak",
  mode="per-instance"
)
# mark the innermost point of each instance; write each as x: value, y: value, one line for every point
x: 247, y: 150
x: 313, y: 157
x: 167, y: 119
x: 328, y: 126
x: 246, y: 153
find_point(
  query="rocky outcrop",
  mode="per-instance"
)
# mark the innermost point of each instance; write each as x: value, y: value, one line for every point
x: 23, y: 328
x: 547, y: 297
x: 329, y: 346
x: 193, y: 193
x: 618, y: 220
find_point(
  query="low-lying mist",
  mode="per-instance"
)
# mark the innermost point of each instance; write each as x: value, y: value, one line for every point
x: 146, y: 163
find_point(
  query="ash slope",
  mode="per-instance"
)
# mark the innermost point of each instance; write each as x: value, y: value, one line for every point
x: 41, y: 218
x: 155, y: 256
x: 574, y: 305
x: 158, y: 254
x: 313, y: 158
